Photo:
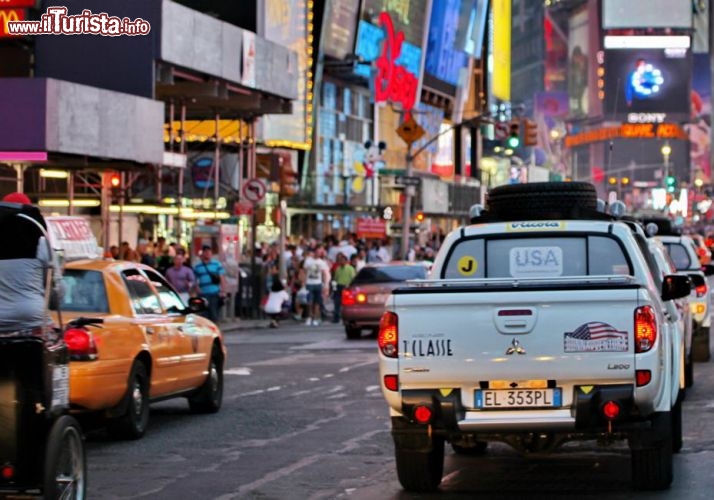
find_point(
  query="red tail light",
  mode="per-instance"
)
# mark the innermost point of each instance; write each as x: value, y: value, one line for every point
x: 391, y: 382
x: 348, y: 297
x: 80, y: 343
x: 611, y: 410
x: 388, y: 336
x: 701, y: 290
x: 645, y: 328
x: 643, y: 377
x: 423, y: 414
x: 7, y: 472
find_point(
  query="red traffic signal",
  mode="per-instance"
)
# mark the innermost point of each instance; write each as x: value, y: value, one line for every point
x: 115, y: 180
x: 289, y: 183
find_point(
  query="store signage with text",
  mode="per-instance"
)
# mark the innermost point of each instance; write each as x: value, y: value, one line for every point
x: 628, y: 131
x: 9, y: 15
x: 371, y: 228
x: 17, y: 3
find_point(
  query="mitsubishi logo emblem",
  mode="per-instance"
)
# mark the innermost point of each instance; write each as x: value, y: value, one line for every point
x: 515, y: 348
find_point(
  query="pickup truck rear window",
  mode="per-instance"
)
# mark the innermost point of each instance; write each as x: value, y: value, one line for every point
x: 535, y: 257
x: 679, y: 256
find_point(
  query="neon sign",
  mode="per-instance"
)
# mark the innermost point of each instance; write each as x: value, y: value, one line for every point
x: 394, y: 82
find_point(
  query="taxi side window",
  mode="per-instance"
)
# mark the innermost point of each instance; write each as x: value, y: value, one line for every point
x: 169, y: 299
x: 143, y: 298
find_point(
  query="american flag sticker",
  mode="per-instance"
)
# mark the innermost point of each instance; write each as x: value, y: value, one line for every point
x: 595, y: 336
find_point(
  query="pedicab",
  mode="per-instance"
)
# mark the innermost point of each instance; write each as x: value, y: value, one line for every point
x: 41, y: 445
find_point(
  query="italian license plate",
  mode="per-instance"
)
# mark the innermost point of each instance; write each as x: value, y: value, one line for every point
x: 518, y: 398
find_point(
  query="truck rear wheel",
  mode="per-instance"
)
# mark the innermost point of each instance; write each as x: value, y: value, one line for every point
x: 652, y: 460
x: 554, y: 199
x: 418, y: 470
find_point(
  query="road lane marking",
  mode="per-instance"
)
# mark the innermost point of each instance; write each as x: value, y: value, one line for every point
x: 241, y: 370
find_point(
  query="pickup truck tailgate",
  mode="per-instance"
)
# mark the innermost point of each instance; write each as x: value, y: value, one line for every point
x: 468, y: 338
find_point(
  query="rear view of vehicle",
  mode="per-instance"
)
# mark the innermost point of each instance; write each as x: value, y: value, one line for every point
x: 534, y: 332
x: 683, y: 253
x: 363, y: 300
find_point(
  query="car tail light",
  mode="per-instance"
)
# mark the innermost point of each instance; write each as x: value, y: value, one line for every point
x: 7, y: 472
x: 645, y: 328
x: 611, y: 410
x: 391, y: 382
x: 348, y: 297
x: 643, y: 377
x: 388, y: 336
x: 701, y: 290
x: 80, y: 343
x: 423, y: 414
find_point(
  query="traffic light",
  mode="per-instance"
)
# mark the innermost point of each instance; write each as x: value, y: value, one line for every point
x: 514, y: 135
x: 670, y: 183
x: 419, y: 217
x: 112, y: 180
x: 612, y: 181
x: 115, y: 181
x: 289, y: 185
x: 530, y: 133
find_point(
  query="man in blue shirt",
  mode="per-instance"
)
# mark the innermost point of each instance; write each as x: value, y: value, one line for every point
x: 210, y: 282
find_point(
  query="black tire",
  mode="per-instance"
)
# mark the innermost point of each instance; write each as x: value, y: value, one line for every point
x: 700, y: 344
x: 65, y: 474
x: 539, y: 199
x: 209, y: 397
x: 652, y: 464
x: 478, y: 449
x: 421, y: 471
x: 133, y: 423
x: 677, y: 426
x: 353, y: 332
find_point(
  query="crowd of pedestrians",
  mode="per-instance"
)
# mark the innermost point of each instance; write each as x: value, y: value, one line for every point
x: 317, y: 271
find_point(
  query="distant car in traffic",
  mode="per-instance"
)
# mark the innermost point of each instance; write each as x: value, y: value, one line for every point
x: 149, y: 346
x: 363, y: 300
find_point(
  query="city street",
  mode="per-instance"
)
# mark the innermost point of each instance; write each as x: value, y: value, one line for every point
x: 303, y: 417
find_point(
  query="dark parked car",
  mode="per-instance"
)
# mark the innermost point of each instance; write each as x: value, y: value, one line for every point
x: 363, y: 300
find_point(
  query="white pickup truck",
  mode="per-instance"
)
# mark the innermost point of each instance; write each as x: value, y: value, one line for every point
x: 541, y: 322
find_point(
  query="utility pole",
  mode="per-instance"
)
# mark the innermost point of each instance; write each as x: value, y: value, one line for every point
x: 407, y: 211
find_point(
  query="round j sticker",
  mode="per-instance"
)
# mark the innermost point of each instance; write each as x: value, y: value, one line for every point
x: 467, y: 265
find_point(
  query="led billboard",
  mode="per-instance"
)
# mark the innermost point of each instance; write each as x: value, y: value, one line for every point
x: 442, y: 60
x: 340, y: 26
x: 472, y: 27
x: 618, y: 14
x: 647, y: 84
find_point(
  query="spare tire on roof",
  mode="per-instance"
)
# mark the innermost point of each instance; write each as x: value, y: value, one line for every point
x: 542, y: 199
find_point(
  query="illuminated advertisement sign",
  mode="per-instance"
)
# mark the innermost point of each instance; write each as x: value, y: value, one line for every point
x: 502, y: 49
x: 472, y: 27
x: 647, y: 81
x: 442, y: 60
x: 9, y: 15
x: 397, y: 63
x: 17, y: 3
x: 340, y: 25
x: 284, y: 23
x: 407, y: 16
x: 646, y: 14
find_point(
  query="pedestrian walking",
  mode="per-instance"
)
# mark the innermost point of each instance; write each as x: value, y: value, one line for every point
x: 211, y: 282
x: 343, y: 275
x: 317, y: 282
x: 181, y: 277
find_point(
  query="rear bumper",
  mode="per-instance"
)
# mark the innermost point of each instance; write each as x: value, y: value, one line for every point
x: 362, y: 315
x: 584, y: 416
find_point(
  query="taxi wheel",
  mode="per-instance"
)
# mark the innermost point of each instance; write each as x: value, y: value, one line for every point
x: 209, y: 397
x: 132, y: 425
x: 65, y: 466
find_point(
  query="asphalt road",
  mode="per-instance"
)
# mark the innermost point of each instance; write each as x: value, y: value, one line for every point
x: 303, y: 417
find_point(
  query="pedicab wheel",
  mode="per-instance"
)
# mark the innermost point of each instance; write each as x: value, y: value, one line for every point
x: 65, y: 465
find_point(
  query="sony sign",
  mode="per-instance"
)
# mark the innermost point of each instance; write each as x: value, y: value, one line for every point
x: 646, y: 117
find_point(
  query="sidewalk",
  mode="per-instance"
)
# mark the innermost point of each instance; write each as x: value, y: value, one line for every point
x: 233, y: 325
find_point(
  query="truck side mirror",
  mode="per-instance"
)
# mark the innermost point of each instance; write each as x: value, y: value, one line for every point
x: 676, y: 286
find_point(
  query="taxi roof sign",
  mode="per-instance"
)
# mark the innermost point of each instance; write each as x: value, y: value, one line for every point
x: 73, y: 237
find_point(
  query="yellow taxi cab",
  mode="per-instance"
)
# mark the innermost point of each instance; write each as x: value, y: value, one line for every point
x: 145, y: 345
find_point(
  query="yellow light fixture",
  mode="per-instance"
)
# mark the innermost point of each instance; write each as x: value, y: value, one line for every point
x: 53, y: 174
x: 666, y: 149
x: 82, y: 202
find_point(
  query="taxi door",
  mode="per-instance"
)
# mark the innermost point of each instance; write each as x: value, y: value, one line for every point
x: 158, y: 333
x: 193, y: 341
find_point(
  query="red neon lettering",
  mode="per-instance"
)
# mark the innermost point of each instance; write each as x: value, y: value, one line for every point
x: 393, y: 82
